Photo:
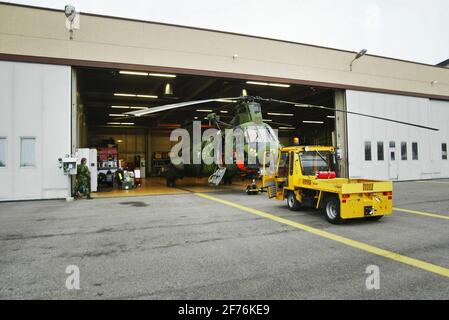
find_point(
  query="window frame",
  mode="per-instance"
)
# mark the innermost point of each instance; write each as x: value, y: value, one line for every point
x: 413, y: 151
x: 5, y: 139
x: 380, y: 149
x: 368, y: 144
x: 34, y: 165
x: 404, y: 155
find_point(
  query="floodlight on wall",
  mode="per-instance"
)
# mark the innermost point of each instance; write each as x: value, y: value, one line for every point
x: 72, y: 20
x: 244, y: 93
x: 359, y: 54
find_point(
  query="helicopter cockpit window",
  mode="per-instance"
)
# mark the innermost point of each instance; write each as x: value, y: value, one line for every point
x: 260, y: 134
x: 243, y: 115
x: 256, y: 108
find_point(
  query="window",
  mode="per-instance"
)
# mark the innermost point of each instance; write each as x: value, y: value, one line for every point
x: 414, y: 150
x: 27, y: 152
x: 367, y: 150
x: 403, y: 150
x: 292, y: 157
x: 392, y: 145
x: 283, y: 165
x: 444, y: 151
x: 380, y: 150
x: 2, y: 152
x: 314, y: 161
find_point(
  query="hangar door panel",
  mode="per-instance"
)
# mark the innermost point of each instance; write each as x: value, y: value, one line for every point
x: 385, y: 150
x: 439, y: 113
x: 35, y: 124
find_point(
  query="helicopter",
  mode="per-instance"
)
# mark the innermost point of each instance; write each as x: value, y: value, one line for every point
x: 247, y: 120
x: 259, y: 137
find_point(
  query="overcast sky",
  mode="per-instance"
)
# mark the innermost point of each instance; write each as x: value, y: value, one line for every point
x: 405, y: 29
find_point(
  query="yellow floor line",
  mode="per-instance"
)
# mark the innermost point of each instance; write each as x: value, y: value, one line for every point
x: 331, y: 236
x: 437, y: 182
x: 427, y: 214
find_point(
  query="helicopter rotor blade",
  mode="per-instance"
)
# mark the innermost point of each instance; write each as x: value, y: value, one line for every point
x: 139, y: 113
x: 348, y: 112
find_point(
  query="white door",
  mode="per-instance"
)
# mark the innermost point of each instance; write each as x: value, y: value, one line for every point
x: 392, y: 161
x: 93, y: 170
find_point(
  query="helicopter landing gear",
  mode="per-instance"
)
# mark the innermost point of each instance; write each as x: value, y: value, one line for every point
x: 171, y: 183
x: 227, y: 181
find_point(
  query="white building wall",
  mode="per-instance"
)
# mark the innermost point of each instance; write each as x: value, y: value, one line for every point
x: 35, y: 101
x: 409, y: 109
x: 439, y: 113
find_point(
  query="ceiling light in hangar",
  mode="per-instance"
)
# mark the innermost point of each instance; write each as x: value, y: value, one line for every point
x: 313, y: 121
x: 280, y: 114
x: 150, y: 74
x: 133, y: 95
x: 121, y: 123
x: 270, y: 84
x: 129, y: 107
x: 118, y: 115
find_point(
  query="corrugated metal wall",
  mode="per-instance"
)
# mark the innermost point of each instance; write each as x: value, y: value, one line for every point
x: 398, y: 142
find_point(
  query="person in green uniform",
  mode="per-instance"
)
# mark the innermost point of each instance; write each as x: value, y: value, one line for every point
x: 83, y: 179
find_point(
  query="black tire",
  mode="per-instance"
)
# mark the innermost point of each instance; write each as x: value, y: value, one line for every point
x: 332, y: 210
x: 375, y: 218
x: 292, y: 203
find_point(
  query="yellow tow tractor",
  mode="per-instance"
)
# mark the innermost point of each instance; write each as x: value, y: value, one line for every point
x: 306, y: 177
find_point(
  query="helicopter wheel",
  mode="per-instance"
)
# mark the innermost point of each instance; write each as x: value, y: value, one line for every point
x: 171, y: 183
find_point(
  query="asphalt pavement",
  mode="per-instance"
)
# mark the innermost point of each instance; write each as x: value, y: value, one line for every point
x: 227, y: 246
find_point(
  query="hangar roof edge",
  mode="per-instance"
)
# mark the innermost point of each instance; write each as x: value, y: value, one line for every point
x: 439, y: 65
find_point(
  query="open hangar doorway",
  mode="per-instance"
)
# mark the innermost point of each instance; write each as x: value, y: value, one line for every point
x: 104, y: 95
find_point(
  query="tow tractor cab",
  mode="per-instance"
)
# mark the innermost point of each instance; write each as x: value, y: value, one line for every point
x: 306, y: 177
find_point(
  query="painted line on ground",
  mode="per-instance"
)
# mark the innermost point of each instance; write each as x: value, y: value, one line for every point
x: 437, y: 182
x: 427, y: 214
x: 332, y: 236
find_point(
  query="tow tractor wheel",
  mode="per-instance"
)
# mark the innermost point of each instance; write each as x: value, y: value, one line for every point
x: 292, y: 203
x: 332, y: 209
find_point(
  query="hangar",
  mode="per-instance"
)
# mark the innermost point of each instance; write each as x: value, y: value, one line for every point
x: 61, y: 92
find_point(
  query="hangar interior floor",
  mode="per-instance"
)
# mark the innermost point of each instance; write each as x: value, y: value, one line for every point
x: 157, y: 186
